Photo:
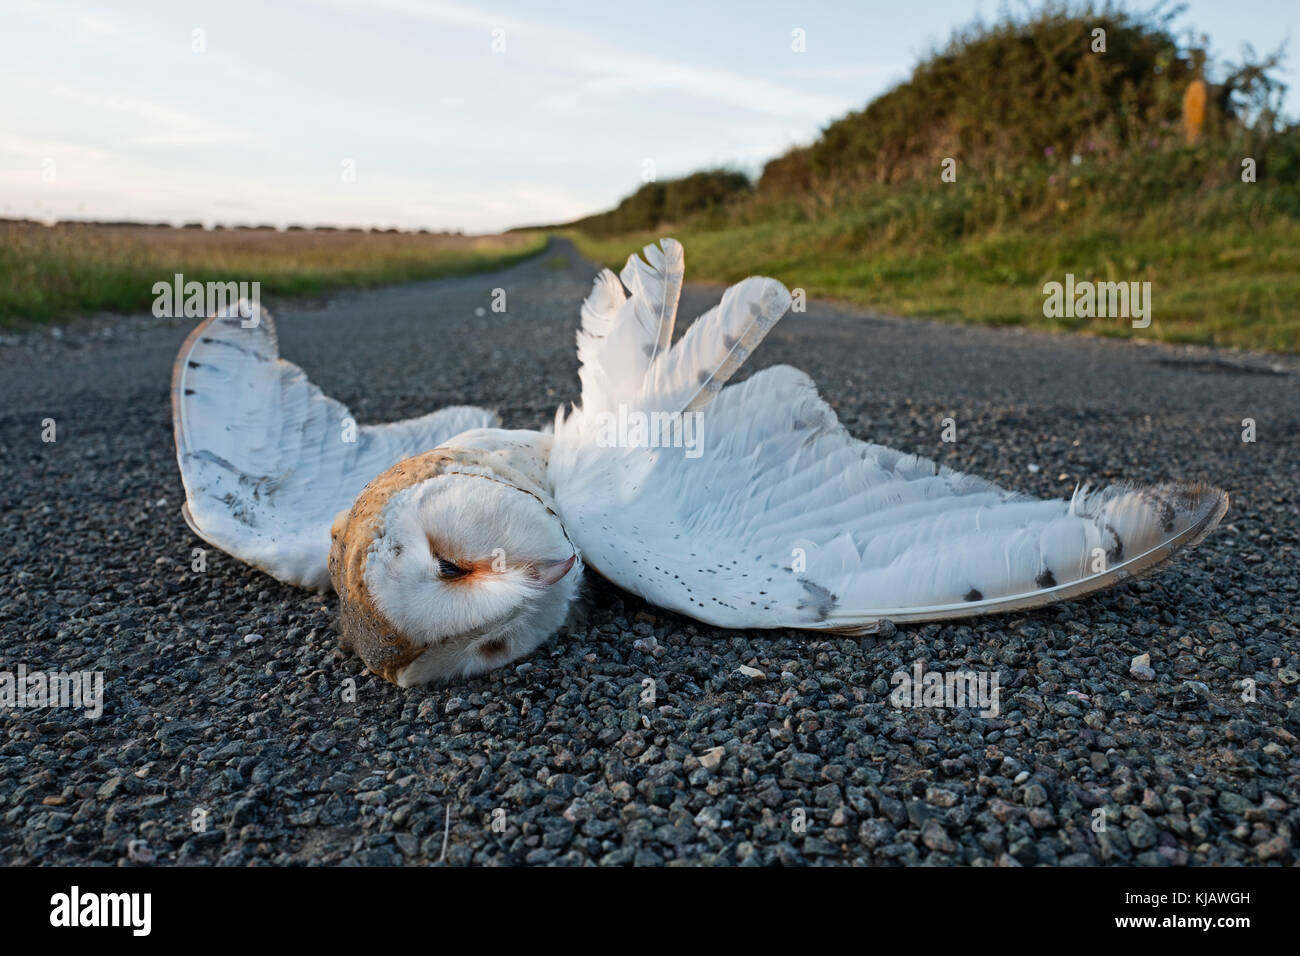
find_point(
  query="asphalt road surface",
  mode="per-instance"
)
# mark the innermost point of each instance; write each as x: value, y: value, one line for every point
x: 229, y: 735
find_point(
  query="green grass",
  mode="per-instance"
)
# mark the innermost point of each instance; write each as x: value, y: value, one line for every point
x: 49, y: 272
x: 1224, y: 264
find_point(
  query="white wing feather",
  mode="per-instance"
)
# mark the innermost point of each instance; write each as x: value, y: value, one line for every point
x: 715, y: 346
x: 785, y: 520
x: 598, y: 314
x: 623, y: 336
x: 264, y: 454
x: 656, y: 285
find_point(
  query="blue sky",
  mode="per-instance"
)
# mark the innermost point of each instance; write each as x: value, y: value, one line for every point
x: 401, y: 113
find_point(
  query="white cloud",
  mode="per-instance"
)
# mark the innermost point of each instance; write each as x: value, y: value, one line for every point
x: 79, y: 26
x: 859, y: 71
x: 164, y: 125
x: 40, y: 149
x: 613, y: 69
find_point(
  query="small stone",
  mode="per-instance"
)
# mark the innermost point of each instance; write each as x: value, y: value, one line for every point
x: 138, y: 851
x: 1035, y: 795
x: 712, y: 758
x: 631, y: 743
x: 1002, y: 810
x: 1141, y: 833
x: 803, y: 767
x: 1233, y: 803
x: 875, y: 832
x: 1272, y: 849
x: 940, y: 797
x: 407, y: 844
x: 935, y: 837
x: 1140, y: 668
x: 709, y: 818
x: 1040, y: 818
x: 753, y: 673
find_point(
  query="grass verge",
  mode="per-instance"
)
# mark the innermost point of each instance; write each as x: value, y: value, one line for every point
x: 1220, y: 276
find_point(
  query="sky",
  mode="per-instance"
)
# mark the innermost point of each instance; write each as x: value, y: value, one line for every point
x: 443, y: 115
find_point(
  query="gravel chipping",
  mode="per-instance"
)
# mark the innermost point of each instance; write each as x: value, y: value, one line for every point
x: 1154, y: 724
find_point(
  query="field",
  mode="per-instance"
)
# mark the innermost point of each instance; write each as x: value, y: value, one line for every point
x: 47, y: 272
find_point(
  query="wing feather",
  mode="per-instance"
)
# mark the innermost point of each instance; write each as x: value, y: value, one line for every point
x: 267, y: 459
x: 656, y: 285
x: 774, y: 516
x: 785, y: 520
x: 716, y: 345
x: 625, y: 351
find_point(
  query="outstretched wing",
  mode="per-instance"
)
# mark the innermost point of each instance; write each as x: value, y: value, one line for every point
x: 268, y: 459
x: 769, y: 514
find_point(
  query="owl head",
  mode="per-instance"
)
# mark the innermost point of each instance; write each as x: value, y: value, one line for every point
x: 449, y: 564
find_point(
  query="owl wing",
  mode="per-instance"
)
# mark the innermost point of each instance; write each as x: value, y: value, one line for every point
x: 267, y: 459
x: 771, y: 514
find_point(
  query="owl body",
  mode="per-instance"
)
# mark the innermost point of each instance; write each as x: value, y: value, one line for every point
x: 456, y: 546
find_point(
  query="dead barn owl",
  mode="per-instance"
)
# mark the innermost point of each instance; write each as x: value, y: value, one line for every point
x: 456, y: 546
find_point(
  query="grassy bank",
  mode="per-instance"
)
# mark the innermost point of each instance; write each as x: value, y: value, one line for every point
x: 1077, y: 139
x: 73, y: 268
x: 1224, y: 264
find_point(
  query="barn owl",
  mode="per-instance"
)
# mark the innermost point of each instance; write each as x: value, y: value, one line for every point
x: 456, y: 545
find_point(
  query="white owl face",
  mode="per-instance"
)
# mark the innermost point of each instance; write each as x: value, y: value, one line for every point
x: 468, y: 572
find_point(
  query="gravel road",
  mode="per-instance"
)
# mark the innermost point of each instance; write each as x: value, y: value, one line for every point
x: 229, y: 736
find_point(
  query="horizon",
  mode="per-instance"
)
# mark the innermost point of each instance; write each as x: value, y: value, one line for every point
x: 333, y: 112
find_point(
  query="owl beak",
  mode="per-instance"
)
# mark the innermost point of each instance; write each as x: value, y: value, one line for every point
x: 550, y: 572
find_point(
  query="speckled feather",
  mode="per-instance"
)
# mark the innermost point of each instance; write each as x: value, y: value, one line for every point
x: 786, y: 520
x: 264, y: 454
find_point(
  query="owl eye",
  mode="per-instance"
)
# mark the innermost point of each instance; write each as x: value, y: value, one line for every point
x: 448, y: 571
